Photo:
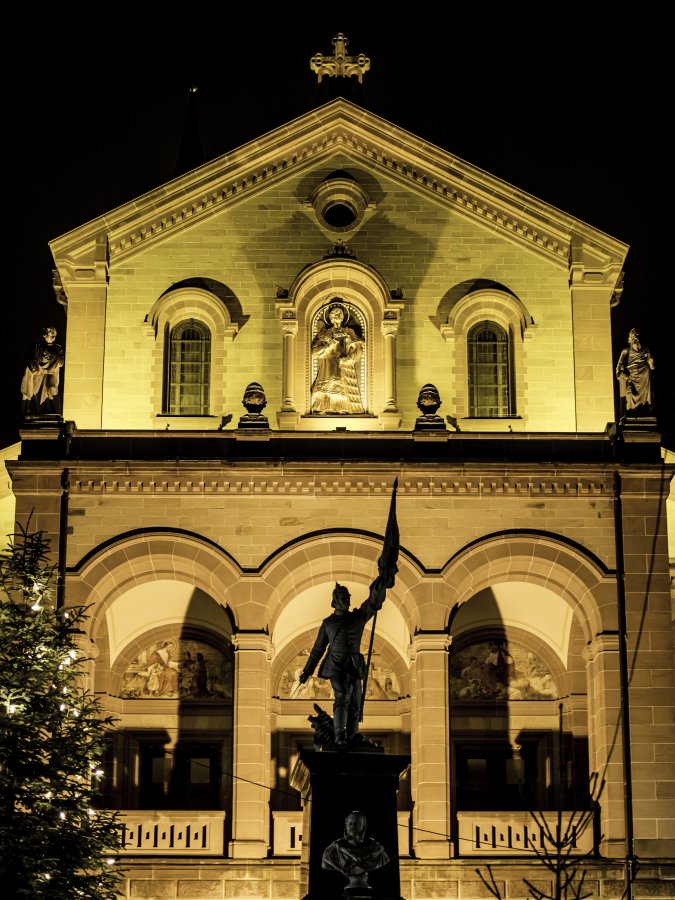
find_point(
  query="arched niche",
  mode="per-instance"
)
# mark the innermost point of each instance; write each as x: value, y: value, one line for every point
x: 158, y: 604
x: 199, y: 662
x: 363, y: 289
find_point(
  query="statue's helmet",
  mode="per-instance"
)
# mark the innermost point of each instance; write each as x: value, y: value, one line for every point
x: 341, y: 597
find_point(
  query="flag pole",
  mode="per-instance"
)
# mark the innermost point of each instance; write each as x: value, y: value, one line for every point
x: 387, y: 567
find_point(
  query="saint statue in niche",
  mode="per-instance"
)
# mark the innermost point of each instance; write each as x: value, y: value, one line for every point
x: 337, y: 349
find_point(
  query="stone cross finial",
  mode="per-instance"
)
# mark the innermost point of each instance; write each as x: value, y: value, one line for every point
x: 339, y: 63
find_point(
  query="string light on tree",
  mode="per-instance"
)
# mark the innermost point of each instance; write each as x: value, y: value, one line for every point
x: 54, y: 842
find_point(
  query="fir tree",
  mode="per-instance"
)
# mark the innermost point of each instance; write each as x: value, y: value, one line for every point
x: 54, y: 843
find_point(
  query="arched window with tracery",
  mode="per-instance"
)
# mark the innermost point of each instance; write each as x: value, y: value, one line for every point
x: 188, y: 371
x: 489, y: 365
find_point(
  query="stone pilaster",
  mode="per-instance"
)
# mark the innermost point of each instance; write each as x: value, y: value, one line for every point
x: 592, y: 285
x: 251, y: 746
x: 649, y: 649
x: 86, y: 287
x: 430, y: 744
x: 604, y: 729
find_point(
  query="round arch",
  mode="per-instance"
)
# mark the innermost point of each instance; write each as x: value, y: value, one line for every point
x: 319, y: 560
x: 502, y: 308
x: 540, y: 559
x: 204, y: 307
x: 191, y: 302
x: 137, y: 558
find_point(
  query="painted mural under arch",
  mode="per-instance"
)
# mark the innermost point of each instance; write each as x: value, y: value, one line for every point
x: 499, y: 670
x: 181, y: 668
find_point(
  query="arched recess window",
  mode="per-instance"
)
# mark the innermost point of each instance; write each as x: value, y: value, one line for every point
x: 188, y: 370
x: 489, y: 364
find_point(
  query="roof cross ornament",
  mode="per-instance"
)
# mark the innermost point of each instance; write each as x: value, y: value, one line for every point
x: 339, y: 63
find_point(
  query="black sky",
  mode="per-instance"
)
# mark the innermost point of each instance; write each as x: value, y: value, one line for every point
x: 573, y: 108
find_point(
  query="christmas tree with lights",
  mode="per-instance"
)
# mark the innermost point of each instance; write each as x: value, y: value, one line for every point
x: 54, y: 842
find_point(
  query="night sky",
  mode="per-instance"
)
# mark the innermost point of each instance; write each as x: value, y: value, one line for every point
x: 569, y: 109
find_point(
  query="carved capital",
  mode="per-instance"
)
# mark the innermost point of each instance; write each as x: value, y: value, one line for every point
x: 605, y: 642
x: 259, y: 641
x: 425, y: 641
x: 289, y: 326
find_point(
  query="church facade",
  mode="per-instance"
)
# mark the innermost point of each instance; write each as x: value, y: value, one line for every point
x: 255, y: 352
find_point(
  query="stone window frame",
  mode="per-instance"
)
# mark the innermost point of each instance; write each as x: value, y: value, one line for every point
x: 172, y: 308
x: 510, y: 314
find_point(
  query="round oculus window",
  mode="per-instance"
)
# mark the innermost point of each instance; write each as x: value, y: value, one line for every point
x: 339, y: 203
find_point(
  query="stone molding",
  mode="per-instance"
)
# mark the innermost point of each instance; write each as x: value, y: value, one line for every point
x: 223, y: 483
x: 253, y: 640
x: 605, y: 642
x: 429, y: 641
x: 366, y: 138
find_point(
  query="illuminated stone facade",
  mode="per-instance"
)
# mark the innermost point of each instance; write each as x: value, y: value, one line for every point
x: 209, y: 551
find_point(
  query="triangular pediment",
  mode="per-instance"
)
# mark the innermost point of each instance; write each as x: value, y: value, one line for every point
x: 342, y: 128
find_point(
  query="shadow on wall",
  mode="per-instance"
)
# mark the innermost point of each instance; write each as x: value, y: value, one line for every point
x: 187, y: 678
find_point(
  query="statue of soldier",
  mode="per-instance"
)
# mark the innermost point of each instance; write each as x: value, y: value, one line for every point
x: 340, y: 638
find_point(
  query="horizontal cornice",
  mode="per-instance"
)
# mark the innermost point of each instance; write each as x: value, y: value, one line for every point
x: 86, y: 481
x: 349, y: 478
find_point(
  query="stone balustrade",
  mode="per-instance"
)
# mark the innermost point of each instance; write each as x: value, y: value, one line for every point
x: 165, y: 832
x: 517, y: 833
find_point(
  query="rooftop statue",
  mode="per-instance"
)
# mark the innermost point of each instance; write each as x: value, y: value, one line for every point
x: 634, y: 371
x: 40, y: 382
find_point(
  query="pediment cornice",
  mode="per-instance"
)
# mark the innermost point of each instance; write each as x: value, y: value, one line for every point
x: 369, y: 141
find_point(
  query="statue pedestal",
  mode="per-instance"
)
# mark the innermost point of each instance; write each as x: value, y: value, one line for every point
x: 334, y: 783
x: 430, y: 423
